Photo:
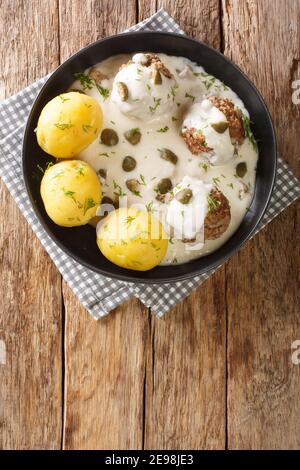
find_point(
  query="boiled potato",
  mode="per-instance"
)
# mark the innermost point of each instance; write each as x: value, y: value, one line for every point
x: 71, y: 192
x: 132, y: 239
x: 69, y: 123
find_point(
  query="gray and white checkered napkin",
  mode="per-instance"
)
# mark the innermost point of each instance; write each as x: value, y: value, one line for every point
x: 97, y: 293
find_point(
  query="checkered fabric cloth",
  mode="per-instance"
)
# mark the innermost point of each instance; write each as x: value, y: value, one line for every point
x: 97, y: 293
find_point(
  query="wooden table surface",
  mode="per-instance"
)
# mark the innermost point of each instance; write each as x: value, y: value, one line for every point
x: 217, y: 371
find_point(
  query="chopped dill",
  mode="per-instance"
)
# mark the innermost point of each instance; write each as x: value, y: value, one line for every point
x: 64, y: 125
x: 85, y: 80
x: 88, y: 83
x: 192, y: 97
x: 205, y: 166
x: 216, y: 181
x: 149, y: 206
x: 129, y: 220
x: 88, y: 204
x: 248, y: 131
x: 143, y: 181
x: 212, y: 203
x: 104, y: 92
x: 80, y: 170
x: 163, y: 129
x: 155, y: 106
x: 118, y: 190
x: 174, y: 89
x: 63, y: 99
x: 86, y: 127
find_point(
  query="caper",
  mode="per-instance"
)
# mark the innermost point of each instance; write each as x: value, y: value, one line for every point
x: 220, y: 127
x: 184, y: 196
x: 156, y: 77
x: 116, y: 202
x: 161, y: 197
x: 102, y: 172
x: 164, y: 185
x: 168, y: 155
x: 109, y: 137
x: 241, y: 169
x: 107, y: 200
x: 133, y: 185
x: 122, y: 90
x: 133, y: 136
x: 129, y: 163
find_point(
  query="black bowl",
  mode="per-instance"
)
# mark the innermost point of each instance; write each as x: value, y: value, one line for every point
x: 80, y: 242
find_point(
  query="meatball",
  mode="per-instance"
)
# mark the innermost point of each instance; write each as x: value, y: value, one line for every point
x: 186, y: 208
x: 195, y: 141
x: 153, y: 61
x: 194, y: 208
x: 144, y: 88
x: 233, y: 116
x: 97, y: 75
x: 218, y: 217
x: 205, y: 130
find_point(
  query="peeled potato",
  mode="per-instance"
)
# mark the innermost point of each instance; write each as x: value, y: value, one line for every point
x: 132, y: 239
x: 68, y: 124
x: 71, y: 192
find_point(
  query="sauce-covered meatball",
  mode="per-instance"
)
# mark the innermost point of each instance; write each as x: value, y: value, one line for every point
x: 193, y: 206
x: 144, y: 88
x: 218, y: 216
x: 233, y: 116
x: 205, y: 130
x: 187, y: 206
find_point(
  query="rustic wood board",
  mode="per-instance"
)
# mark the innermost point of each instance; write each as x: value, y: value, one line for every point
x: 214, y: 373
x: 262, y: 279
x: 30, y: 306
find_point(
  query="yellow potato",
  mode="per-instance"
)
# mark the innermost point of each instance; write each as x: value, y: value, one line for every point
x: 132, y: 239
x: 68, y: 124
x: 71, y: 192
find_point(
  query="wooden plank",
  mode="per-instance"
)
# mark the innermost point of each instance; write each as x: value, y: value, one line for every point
x: 146, y: 9
x: 30, y: 308
x: 105, y: 360
x: 82, y: 22
x: 200, y: 20
x: 105, y: 371
x: 185, y: 392
x: 262, y: 290
x: 185, y: 379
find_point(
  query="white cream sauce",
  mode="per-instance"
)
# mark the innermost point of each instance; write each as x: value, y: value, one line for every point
x: 193, y: 85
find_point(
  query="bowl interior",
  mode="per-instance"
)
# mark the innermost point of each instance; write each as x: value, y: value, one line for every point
x: 80, y: 242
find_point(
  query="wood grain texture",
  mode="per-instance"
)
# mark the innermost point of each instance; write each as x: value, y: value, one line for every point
x: 185, y: 380
x: 264, y: 38
x: 84, y: 22
x: 105, y: 371
x: 30, y: 307
x: 186, y: 374
x: 200, y: 20
x: 105, y: 360
x: 262, y: 285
